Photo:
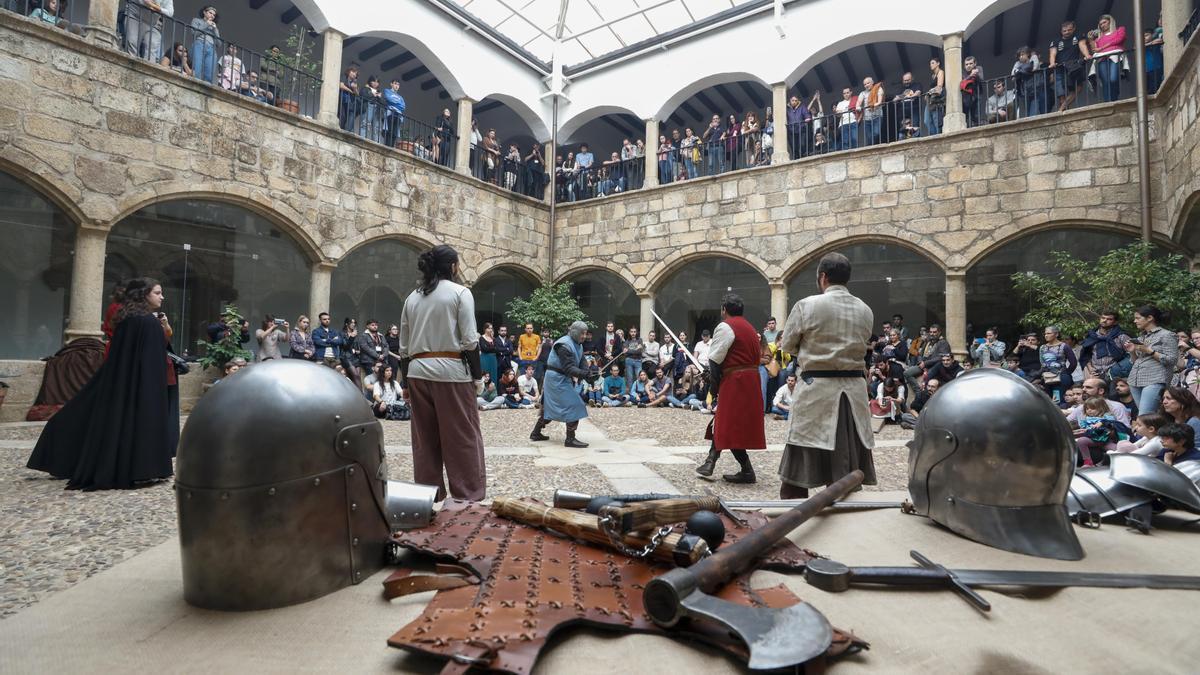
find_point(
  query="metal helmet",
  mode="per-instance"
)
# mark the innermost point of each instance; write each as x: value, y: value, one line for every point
x: 1162, y: 479
x: 1094, y: 494
x: 991, y: 460
x: 577, y: 330
x: 281, y: 489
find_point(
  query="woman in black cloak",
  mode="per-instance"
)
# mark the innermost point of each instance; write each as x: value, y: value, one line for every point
x: 121, y: 429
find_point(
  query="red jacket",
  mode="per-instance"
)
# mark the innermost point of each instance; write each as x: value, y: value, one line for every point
x: 739, y: 419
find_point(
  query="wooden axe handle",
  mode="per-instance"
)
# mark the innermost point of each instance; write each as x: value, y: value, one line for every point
x: 579, y: 525
x: 639, y: 516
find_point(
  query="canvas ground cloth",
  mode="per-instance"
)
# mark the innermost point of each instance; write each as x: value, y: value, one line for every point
x: 133, y: 616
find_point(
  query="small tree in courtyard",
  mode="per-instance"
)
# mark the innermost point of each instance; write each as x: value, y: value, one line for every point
x: 229, y: 347
x: 548, y: 306
x: 1121, y: 280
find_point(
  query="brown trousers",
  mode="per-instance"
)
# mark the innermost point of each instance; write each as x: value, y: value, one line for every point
x: 445, y: 433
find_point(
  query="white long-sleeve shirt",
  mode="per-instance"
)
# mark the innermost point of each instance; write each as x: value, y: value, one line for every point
x: 783, y: 397
x: 443, y: 321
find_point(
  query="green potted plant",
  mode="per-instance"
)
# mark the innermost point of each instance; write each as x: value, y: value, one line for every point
x: 301, y: 72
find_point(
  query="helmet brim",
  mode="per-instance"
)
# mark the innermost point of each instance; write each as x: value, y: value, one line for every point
x: 1044, y: 531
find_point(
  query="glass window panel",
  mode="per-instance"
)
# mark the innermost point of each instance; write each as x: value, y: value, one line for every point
x: 604, y: 296
x: 492, y: 293
x: 890, y: 279
x: 206, y: 255
x: 991, y: 299
x: 35, y: 271
x: 373, y: 282
x: 690, y: 300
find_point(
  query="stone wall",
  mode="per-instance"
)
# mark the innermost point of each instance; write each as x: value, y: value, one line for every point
x: 24, y: 379
x: 1178, y: 109
x: 105, y: 135
x: 953, y: 197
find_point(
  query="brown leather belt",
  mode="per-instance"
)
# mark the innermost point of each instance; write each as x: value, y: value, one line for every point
x: 437, y: 355
x: 733, y: 369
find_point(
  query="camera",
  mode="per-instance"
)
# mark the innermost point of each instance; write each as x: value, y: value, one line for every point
x: 278, y: 322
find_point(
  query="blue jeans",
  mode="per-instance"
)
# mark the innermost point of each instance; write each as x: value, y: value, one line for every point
x: 595, y: 396
x: 689, y: 401
x: 689, y: 165
x: 664, y: 172
x: 776, y: 410
x: 204, y: 56
x: 873, y: 127
x: 714, y: 160
x: 632, y: 368
x: 1148, y: 398
x: 849, y: 136
x: 615, y: 401
x: 1109, y: 73
x: 933, y: 120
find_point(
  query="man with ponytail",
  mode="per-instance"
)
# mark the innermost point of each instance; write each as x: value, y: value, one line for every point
x: 440, y: 375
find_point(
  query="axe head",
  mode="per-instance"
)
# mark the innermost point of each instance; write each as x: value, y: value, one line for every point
x: 776, y: 638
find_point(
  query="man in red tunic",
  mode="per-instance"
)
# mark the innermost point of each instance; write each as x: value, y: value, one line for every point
x: 733, y: 363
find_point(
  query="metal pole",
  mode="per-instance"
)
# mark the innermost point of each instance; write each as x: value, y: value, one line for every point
x: 553, y: 187
x: 1143, y: 133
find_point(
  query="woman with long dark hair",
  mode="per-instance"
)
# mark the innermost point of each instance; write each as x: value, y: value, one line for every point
x: 1154, y: 353
x: 121, y: 429
x: 440, y: 372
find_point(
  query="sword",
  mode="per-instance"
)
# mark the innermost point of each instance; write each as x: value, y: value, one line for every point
x: 675, y: 336
x: 829, y: 575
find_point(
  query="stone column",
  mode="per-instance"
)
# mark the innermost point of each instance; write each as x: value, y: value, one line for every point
x: 779, y: 303
x: 779, y: 110
x: 102, y: 22
x: 651, y: 154
x: 86, y: 308
x: 956, y: 313
x: 952, y: 63
x: 1175, y: 14
x: 462, y: 151
x: 331, y: 76
x: 318, y: 289
x: 646, y: 320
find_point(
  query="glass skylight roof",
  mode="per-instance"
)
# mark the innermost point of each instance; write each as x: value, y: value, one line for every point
x: 591, y: 28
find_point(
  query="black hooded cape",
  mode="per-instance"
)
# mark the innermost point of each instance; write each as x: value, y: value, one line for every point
x: 123, y: 426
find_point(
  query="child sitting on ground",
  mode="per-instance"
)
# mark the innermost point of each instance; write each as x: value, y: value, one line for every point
x: 1179, y: 444
x: 1098, y: 427
x: 1146, y: 426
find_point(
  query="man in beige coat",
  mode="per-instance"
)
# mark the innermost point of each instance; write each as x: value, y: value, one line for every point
x: 829, y: 434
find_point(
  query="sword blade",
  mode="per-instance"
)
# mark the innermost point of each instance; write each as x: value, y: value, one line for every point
x: 675, y: 338
x: 1065, y: 579
x: 790, y: 503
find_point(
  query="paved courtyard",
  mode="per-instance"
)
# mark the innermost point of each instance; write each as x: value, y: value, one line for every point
x: 51, y: 539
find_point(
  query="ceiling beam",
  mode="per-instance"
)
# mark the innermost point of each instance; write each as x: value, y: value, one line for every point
x: 257, y: 4
x: 902, y: 53
x: 1035, y: 24
x: 633, y: 122
x: 936, y: 53
x: 713, y: 108
x: 754, y: 96
x: 823, y: 77
x: 490, y: 105
x: 676, y: 119
x: 1072, y: 10
x: 374, y: 50
x: 687, y: 108
x: 397, y: 61
x: 855, y: 80
x: 803, y: 91
x: 625, y: 132
x: 879, y: 75
x: 998, y: 35
x: 1108, y: 7
x: 733, y: 102
x: 443, y: 95
x: 290, y: 15
x: 430, y: 84
x: 348, y: 41
x: 414, y: 73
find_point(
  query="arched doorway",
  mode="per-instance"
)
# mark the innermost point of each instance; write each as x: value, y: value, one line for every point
x: 604, y: 296
x: 35, y: 270
x: 890, y: 278
x: 991, y: 298
x: 373, y: 281
x: 494, y: 290
x: 689, y: 299
x: 208, y: 254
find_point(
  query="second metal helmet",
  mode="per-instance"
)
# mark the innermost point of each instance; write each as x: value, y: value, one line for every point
x: 992, y: 460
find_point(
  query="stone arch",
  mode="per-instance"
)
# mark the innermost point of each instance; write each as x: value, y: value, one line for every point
x: 278, y: 212
x: 857, y: 40
x: 415, y: 241
x: 810, y: 253
x: 580, y: 119
x: 426, y: 56
x: 522, y: 270
x: 701, y: 84
x: 1185, y: 231
x: 537, y: 126
x: 688, y: 294
x: 1008, y: 235
x: 989, y: 14
x: 604, y: 306
x: 600, y: 265
x: 491, y: 301
x: 680, y: 257
x: 49, y: 187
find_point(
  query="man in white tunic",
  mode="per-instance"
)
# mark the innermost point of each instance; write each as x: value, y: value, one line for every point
x: 829, y: 433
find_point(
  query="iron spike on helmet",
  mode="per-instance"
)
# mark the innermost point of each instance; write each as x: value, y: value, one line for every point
x: 992, y: 460
x: 281, y: 489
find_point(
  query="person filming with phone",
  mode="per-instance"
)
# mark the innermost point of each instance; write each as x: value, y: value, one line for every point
x: 269, y: 336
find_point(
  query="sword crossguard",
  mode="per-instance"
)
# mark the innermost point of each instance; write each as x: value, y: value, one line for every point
x: 964, y: 591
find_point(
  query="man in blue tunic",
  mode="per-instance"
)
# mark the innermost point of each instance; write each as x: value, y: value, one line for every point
x: 560, y: 399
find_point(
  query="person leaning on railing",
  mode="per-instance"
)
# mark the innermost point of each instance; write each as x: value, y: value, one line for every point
x: 1109, y: 57
x: 204, y: 45
x: 177, y: 60
x: 143, y: 27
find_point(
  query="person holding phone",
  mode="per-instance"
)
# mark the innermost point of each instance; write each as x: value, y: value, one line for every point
x: 272, y: 332
x: 1154, y: 353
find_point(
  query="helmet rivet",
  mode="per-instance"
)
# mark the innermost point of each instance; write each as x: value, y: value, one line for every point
x: 355, y: 542
x: 358, y: 575
x: 271, y: 492
x: 224, y: 495
x: 353, y: 506
x: 316, y: 481
x: 346, y: 443
x: 350, y: 471
x: 337, y: 418
x: 950, y: 499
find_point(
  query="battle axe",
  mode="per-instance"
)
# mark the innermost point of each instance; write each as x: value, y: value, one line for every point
x: 776, y: 638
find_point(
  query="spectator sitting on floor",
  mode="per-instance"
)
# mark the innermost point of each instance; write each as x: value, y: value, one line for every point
x: 1121, y: 393
x: 908, y: 420
x: 1098, y: 430
x: 659, y: 389
x: 947, y: 369
x: 614, y: 388
x: 252, y: 88
x: 511, y: 391
x: 640, y: 393
x: 388, y: 398
x: 781, y: 407
x: 1179, y: 444
x: 489, y: 398
x: 1095, y: 387
x: 177, y: 60
x: 1012, y: 363
x: 888, y: 403
x: 1146, y: 428
x: 529, y: 385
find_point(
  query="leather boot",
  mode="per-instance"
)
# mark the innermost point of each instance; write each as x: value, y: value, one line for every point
x: 537, y: 434
x: 746, y: 475
x: 571, y: 441
x: 705, y: 470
